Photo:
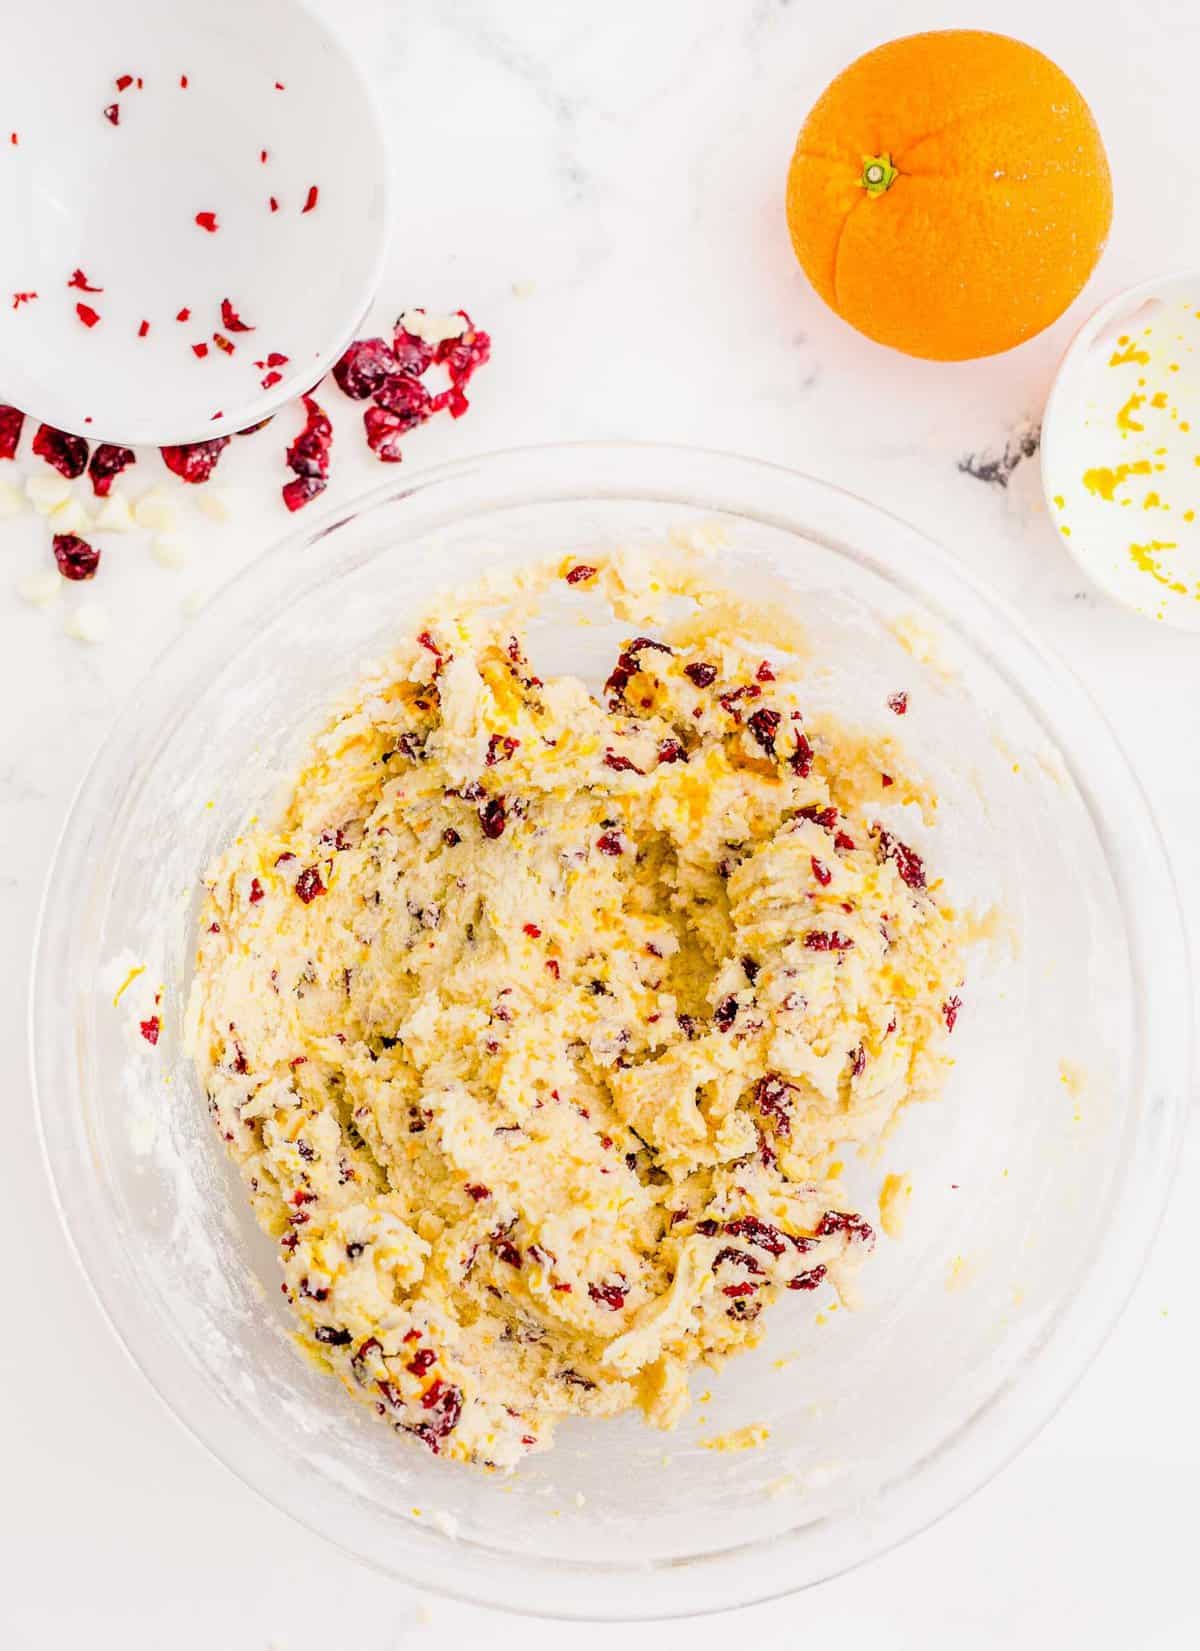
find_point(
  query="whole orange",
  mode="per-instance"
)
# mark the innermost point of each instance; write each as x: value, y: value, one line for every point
x: 949, y: 194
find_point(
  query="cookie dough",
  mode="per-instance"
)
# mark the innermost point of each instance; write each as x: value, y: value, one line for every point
x: 536, y: 1019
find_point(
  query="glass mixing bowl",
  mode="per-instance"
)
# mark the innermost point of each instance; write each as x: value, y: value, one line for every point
x: 1038, y: 1178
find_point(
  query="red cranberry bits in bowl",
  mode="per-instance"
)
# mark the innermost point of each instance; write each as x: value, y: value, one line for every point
x: 242, y: 146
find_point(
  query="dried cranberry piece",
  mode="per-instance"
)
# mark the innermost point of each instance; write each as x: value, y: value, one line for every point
x: 68, y: 454
x: 821, y: 940
x: 310, y: 200
x: 858, y: 1062
x: 801, y: 758
x: 671, y: 751
x: 331, y: 1337
x: 821, y: 871
x: 108, y: 461
x: 450, y: 837
x: 898, y: 703
x: 506, y: 1249
x: 445, y: 1402
x: 412, y: 354
x: 75, y: 557
x: 737, y: 1258
x: 771, y: 1098
x: 301, y: 490
x: 826, y: 817
x: 612, y: 1295
x: 843, y: 842
x: 579, y: 574
x: 500, y: 749
x: 763, y: 725
x: 950, y: 1010
x: 194, y: 461
x: 407, y: 398
x: 112, y: 113
x: 708, y: 1228
x: 256, y: 891
x: 906, y: 860
x: 608, y: 843
x: 853, y: 1226
x: 309, y: 885
x: 725, y: 1013
x: 424, y: 1359
x: 761, y: 1233
x: 384, y: 430
x: 493, y: 817
x: 764, y: 672
x: 208, y: 221
x: 701, y: 674
x: 87, y: 314
x: 231, y: 320
x: 358, y: 1359
x: 477, y: 1192
x: 808, y: 1280
x: 613, y: 759
x: 150, y: 1028
x: 12, y: 421
x: 365, y: 367
x: 739, y: 1289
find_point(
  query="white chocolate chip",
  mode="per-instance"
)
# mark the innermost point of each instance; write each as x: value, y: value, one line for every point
x: 41, y: 588
x: 169, y: 551
x: 12, y: 501
x: 70, y: 517
x: 214, y: 503
x: 155, y: 512
x: 433, y: 329
x: 89, y: 622
x: 46, y: 490
x: 113, y: 515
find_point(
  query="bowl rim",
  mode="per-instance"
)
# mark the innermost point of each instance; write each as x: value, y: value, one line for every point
x: 1086, y: 335
x: 701, y: 480
x: 265, y: 403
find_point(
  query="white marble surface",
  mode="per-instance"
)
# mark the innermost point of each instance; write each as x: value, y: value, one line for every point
x: 600, y: 186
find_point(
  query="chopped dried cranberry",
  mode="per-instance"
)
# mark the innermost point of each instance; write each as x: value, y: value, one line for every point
x: 226, y: 347
x: 730, y: 700
x: 843, y: 842
x: 671, y: 751
x: 726, y: 1012
x: 384, y: 430
x: 858, y: 1062
x: 75, y: 557
x: 950, y: 1010
x: 124, y: 81
x: 309, y: 885
x: 532, y: 930
x: 807, y: 1281
x: 256, y: 891
x: 477, y: 1192
x: 771, y: 1098
x: 506, y: 1249
x: 208, y: 221
x: 500, y: 749
x: 552, y: 965
x: 445, y: 1402
x: 701, y: 674
x: 826, y: 817
x: 612, y: 1295
x: 407, y: 398
x: 853, y: 1226
x: 450, y: 837
x: 81, y: 283
x: 12, y: 421
x: 20, y: 298
x: 273, y: 203
x: 365, y: 367
x: 422, y: 1360
x: 739, y: 1289
x: 200, y: 350
x: 308, y: 457
x: 108, y: 461
x: 886, y: 779
x: 112, y: 113
x: 231, y: 320
x: 194, y: 461
x: 68, y: 454
x: 183, y: 314
x: 143, y: 329
x: 821, y: 871
x: 737, y: 1258
x: 613, y: 759
x: 150, y: 1028
x: 609, y: 843
x: 579, y: 574
x: 760, y: 1233
x: 763, y: 725
x: 301, y: 490
x: 751, y: 969
x: 906, y: 860
x: 310, y: 200
x: 801, y: 758
x: 493, y: 817
x: 331, y: 1337
x: 821, y: 940
x: 898, y: 703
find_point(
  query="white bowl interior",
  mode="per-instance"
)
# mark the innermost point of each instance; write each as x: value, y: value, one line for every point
x: 120, y: 203
x: 1020, y: 1172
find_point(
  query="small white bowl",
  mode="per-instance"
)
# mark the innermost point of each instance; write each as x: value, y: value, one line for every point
x: 228, y: 105
x: 1121, y: 449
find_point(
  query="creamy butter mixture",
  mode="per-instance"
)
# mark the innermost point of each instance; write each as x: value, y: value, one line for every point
x: 536, y: 1020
